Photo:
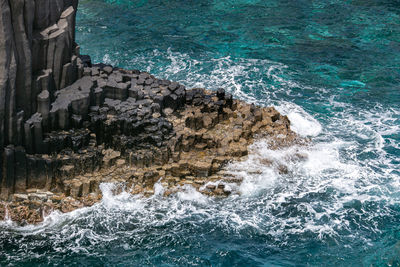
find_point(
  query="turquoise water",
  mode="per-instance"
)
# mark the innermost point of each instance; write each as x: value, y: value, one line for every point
x: 332, y: 66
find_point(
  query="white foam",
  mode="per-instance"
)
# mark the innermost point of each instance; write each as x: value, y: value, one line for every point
x: 189, y: 193
x: 108, y: 60
x: 115, y: 197
x: 304, y: 124
x: 158, y: 188
x: 301, y: 122
x: 7, y: 222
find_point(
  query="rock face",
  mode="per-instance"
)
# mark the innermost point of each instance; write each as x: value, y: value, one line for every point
x: 38, y: 56
x: 67, y: 125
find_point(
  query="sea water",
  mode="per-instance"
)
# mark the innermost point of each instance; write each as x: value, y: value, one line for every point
x: 332, y: 66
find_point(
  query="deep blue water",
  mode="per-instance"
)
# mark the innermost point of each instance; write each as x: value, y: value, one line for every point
x: 332, y: 66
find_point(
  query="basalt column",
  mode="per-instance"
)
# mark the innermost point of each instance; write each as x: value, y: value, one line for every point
x: 38, y: 56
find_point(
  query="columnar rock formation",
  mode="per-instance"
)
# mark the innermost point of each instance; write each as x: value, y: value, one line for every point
x: 67, y: 125
x: 38, y: 56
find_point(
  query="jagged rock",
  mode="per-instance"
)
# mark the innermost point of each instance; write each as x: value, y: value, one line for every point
x: 108, y: 69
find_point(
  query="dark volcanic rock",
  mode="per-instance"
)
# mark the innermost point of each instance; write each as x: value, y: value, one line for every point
x: 38, y: 56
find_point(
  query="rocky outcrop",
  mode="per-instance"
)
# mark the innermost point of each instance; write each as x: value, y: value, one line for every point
x: 38, y: 56
x: 129, y: 127
x: 67, y: 125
